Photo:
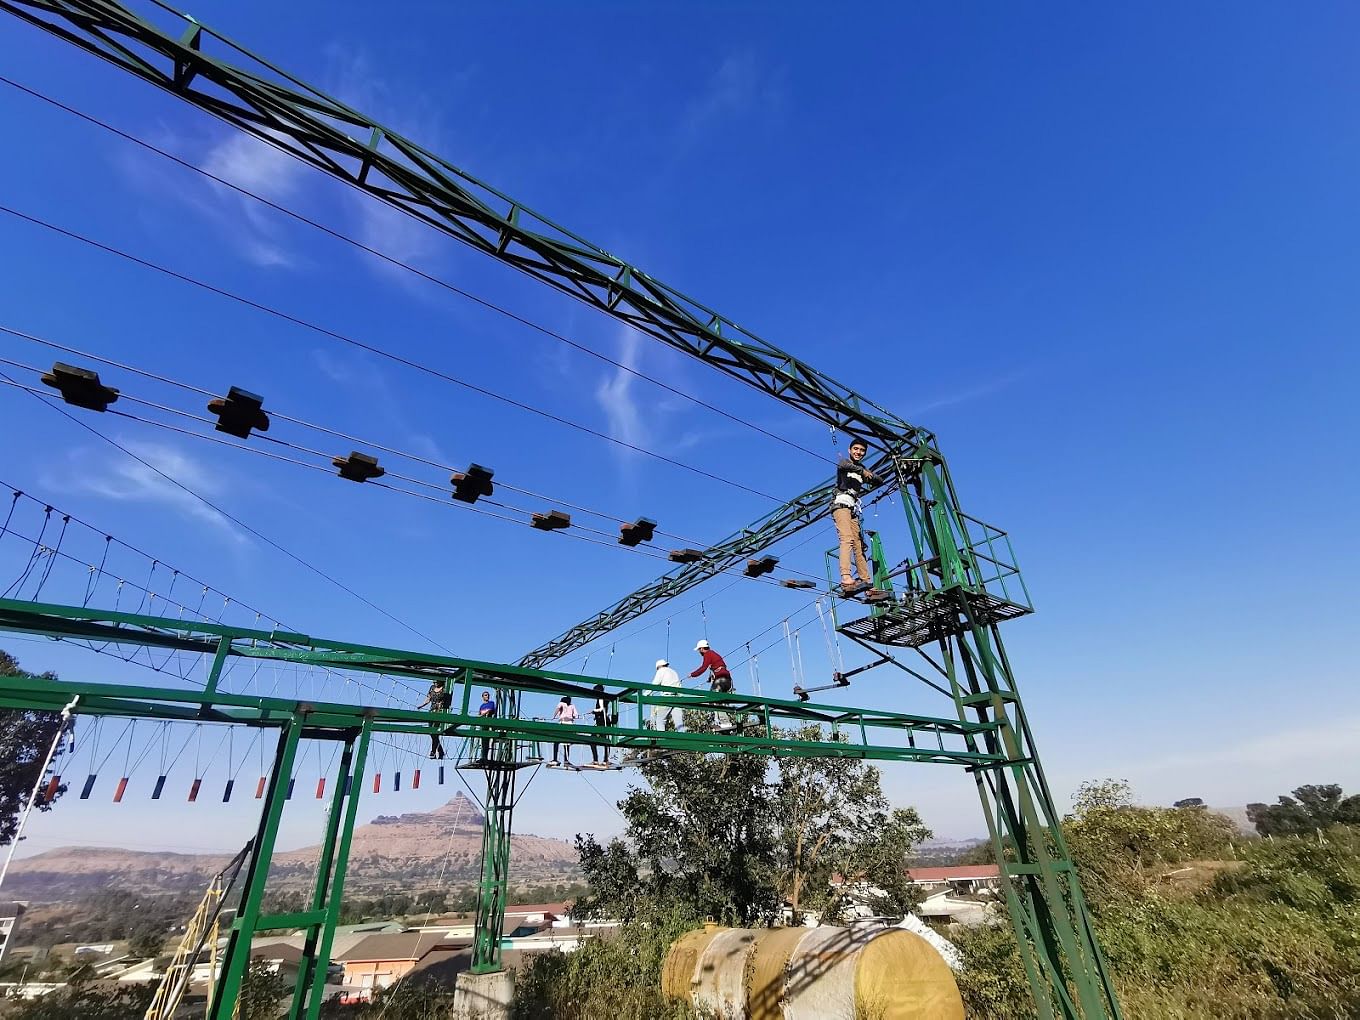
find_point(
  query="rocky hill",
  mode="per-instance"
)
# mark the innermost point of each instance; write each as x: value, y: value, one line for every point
x: 409, y: 852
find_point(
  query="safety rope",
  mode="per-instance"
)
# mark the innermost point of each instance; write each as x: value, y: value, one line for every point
x: 64, y: 722
x: 833, y: 641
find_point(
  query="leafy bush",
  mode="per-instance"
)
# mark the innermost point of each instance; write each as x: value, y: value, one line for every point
x: 617, y: 977
x: 1275, y: 937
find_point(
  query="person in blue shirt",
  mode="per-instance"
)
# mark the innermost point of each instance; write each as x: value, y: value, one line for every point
x: 485, y: 709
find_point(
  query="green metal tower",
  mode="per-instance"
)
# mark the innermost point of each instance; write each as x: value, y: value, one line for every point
x: 949, y: 598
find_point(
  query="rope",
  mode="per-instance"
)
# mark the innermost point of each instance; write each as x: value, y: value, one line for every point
x: 37, y: 785
x: 793, y: 661
x: 833, y: 641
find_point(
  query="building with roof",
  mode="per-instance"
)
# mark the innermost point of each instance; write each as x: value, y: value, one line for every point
x: 380, y: 961
x: 961, y: 880
x: 10, y: 913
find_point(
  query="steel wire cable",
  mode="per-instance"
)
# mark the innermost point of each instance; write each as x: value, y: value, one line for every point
x: 603, y: 538
x: 391, y: 260
x: 265, y: 437
x: 379, y: 351
x: 229, y: 516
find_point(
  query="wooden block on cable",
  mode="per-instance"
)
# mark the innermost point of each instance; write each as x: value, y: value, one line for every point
x: 472, y: 484
x: 553, y: 520
x: 358, y: 467
x: 239, y: 412
x: 685, y: 555
x: 762, y: 566
x: 641, y: 530
x: 795, y: 582
x: 80, y: 387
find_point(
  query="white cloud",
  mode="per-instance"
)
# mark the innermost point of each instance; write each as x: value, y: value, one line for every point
x: 263, y: 170
x: 616, y: 397
x: 1323, y: 743
x: 397, y: 236
x: 738, y: 87
x: 254, y: 231
x: 125, y: 479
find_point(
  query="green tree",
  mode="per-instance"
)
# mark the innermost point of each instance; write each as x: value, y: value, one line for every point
x: 834, y: 819
x: 262, y: 992
x: 617, y: 977
x: 86, y: 1001
x: 1118, y: 846
x: 703, y: 835
x: 1311, y: 808
x: 25, y: 738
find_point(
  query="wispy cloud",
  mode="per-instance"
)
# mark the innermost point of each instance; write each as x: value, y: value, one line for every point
x: 127, y: 480
x: 616, y: 397
x: 262, y: 169
x: 739, y: 87
x: 1324, y: 743
x: 378, y: 392
x: 967, y: 394
x: 397, y: 236
x: 244, y: 224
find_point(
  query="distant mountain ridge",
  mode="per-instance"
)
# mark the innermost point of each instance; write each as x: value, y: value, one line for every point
x: 409, y: 852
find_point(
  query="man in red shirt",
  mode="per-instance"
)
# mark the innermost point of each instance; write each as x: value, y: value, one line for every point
x: 719, y: 678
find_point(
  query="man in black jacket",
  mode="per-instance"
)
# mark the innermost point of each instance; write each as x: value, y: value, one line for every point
x: 853, y: 479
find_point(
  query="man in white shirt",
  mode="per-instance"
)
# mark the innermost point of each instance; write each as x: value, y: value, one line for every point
x: 662, y: 717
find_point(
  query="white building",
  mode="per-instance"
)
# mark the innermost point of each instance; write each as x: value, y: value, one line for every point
x: 9, y: 922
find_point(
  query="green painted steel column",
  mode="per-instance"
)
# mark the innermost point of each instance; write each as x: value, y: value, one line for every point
x: 1043, y: 895
x: 252, y: 896
x: 491, y: 891
x: 319, y: 959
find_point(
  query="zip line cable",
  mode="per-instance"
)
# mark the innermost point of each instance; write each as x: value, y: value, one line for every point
x: 391, y: 260
x: 577, y: 532
x: 150, y: 664
x: 235, y: 520
x: 274, y: 414
x: 380, y: 352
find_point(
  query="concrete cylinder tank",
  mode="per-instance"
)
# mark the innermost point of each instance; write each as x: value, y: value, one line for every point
x: 812, y: 974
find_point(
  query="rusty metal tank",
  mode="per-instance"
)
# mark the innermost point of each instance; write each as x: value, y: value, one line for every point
x: 864, y: 971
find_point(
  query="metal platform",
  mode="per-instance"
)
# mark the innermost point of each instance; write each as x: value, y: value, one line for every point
x: 922, y: 617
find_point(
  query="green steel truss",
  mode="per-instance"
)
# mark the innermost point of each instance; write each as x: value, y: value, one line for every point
x: 863, y: 733
x: 844, y: 732
x: 947, y: 607
x: 209, y: 70
x: 779, y: 524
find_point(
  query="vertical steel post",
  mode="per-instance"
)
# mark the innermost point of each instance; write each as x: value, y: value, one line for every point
x: 491, y: 891
x: 252, y: 897
x: 318, y: 952
x: 1042, y: 892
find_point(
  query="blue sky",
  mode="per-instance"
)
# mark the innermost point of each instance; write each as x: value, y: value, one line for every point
x: 1107, y: 255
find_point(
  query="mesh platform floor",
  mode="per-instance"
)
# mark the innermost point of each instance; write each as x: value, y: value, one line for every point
x: 923, y: 617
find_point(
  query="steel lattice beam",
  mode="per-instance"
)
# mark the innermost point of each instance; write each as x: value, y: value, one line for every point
x: 881, y: 735
x: 1058, y: 947
x: 789, y: 519
x: 259, y: 98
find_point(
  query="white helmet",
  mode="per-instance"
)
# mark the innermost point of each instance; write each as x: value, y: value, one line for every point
x: 701, y: 645
x: 661, y: 662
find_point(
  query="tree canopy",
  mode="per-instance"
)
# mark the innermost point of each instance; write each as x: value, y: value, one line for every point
x: 1312, y: 807
x: 732, y: 838
x: 24, y: 741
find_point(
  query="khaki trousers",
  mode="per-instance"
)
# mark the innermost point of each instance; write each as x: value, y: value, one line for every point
x: 847, y: 529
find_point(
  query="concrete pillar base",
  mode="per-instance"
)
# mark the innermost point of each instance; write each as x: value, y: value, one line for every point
x: 483, y: 996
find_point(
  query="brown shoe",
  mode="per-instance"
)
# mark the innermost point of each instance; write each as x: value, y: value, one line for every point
x: 853, y: 587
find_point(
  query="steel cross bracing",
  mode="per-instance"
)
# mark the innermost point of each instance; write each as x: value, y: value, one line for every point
x: 789, y: 519
x: 865, y: 733
x: 211, y: 71
x: 947, y: 605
